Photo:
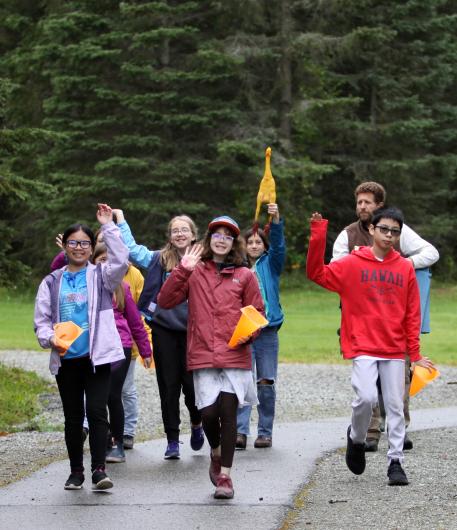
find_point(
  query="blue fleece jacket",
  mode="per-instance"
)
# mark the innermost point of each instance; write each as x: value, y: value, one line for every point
x: 268, y: 269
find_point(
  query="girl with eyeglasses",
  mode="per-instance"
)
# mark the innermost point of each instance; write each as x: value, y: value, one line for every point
x: 168, y: 327
x: 80, y: 292
x: 214, y: 280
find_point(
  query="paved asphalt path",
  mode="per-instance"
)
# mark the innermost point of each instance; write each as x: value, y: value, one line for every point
x: 151, y: 493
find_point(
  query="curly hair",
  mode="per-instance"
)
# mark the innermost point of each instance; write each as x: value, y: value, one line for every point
x: 236, y: 256
x: 376, y: 189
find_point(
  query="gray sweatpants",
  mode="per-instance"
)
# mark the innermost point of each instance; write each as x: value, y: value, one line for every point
x: 365, y: 372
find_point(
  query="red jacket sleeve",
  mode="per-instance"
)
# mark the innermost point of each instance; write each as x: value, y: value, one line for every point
x: 133, y: 317
x: 175, y: 289
x: 328, y: 276
x: 413, y: 318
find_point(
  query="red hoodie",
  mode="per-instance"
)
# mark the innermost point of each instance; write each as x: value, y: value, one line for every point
x: 380, y: 299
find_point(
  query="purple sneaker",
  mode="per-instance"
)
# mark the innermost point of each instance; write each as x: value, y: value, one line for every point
x: 172, y: 452
x: 197, y: 438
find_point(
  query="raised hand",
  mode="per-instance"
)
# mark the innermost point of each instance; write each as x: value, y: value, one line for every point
x: 104, y: 213
x: 192, y: 257
x: 59, y: 241
x: 316, y: 216
x: 273, y: 210
x: 119, y: 215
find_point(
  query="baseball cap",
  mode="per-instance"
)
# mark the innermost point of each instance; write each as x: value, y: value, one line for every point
x: 224, y: 220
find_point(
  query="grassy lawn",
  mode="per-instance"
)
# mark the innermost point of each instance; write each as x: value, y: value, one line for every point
x: 312, y: 318
x: 19, y: 391
x: 16, y: 321
x: 308, y: 334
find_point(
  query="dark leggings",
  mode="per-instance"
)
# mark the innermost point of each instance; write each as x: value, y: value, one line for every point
x: 172, y: 377
x: 119, y: 371
x: 75, y: 378
x: 219, y: 424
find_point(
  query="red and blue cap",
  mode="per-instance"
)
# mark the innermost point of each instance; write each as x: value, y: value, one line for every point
x: 224, y: 220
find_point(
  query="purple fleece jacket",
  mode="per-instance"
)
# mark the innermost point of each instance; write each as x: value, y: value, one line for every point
x: 130, y: 326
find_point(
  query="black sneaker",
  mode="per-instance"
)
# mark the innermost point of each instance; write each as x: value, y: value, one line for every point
x: 355, y: 455
x: 197, y: 438
x: 75, y: 481
x: 128, y: 441
x: 407, y: 443
x: 397, y: 477
x: 371, y: 445
x: 100, y: 480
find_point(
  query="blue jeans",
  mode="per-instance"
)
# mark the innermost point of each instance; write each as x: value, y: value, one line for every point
x: 423, y: 277
x: 265, y: 367
x: 130, y: 401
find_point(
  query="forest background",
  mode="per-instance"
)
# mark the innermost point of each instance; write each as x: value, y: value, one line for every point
x: 166, y: 107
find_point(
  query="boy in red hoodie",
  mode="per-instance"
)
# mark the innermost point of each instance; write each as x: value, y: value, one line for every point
x: 380, y: 323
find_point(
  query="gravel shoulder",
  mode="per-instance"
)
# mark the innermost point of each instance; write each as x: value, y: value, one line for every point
x: 333, y: 498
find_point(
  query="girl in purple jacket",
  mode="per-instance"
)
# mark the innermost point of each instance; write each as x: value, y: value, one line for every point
x: 130, y: 328
x: 81, y: 293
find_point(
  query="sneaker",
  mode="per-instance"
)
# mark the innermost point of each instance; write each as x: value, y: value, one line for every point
x: 115, y: 455
x: 371, y: 445
x: 85, y: 433
x: 75, y: 481
x: 214, y: 468
x: 241, y: 440
x: 263, y: 442
x: 100, y: 480
x: 128, y: 441
x: 172, y: 452
x: 224, y: 488
x: 355, y: 455
x: 197, y: 438
x: 397, y: 477
x: 407, y: 443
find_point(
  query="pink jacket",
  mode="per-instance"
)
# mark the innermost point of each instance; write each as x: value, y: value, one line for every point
x: 130, y: 326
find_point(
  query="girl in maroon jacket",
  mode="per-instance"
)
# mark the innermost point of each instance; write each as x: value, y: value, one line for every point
x: 213, y: 278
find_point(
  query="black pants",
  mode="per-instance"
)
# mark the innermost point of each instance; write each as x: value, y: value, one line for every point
x: 75, y: 378
x: 219, y: 424
x: 119, y: 371
x: 170, y: 360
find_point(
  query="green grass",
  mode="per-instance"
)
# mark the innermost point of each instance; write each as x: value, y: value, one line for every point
x: 19, y: 393
x: 16, y: 321
x: 308, y: 334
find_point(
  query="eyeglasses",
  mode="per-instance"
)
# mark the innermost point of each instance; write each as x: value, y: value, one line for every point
x: 184, y: 231
x: 385, y: 230
x: 222, y: 237
x: 72, y: 243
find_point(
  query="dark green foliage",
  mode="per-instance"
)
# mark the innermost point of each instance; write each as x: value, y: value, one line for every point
x: 166, y: 107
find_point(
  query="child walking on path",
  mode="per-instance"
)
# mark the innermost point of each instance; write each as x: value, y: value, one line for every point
x: 169, y: 328
x: 380, y: 324
x: 81, y: 292
x: 217, y: 287
x: 266, y: 259
x: 130, y: 328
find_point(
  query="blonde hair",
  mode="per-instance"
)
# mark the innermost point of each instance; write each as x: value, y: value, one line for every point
x: 169, y: 256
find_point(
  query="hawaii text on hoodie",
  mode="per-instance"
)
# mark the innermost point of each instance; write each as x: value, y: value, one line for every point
x: 380, y: 299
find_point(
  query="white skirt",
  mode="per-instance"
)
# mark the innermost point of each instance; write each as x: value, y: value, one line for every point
x: 210, y: 382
